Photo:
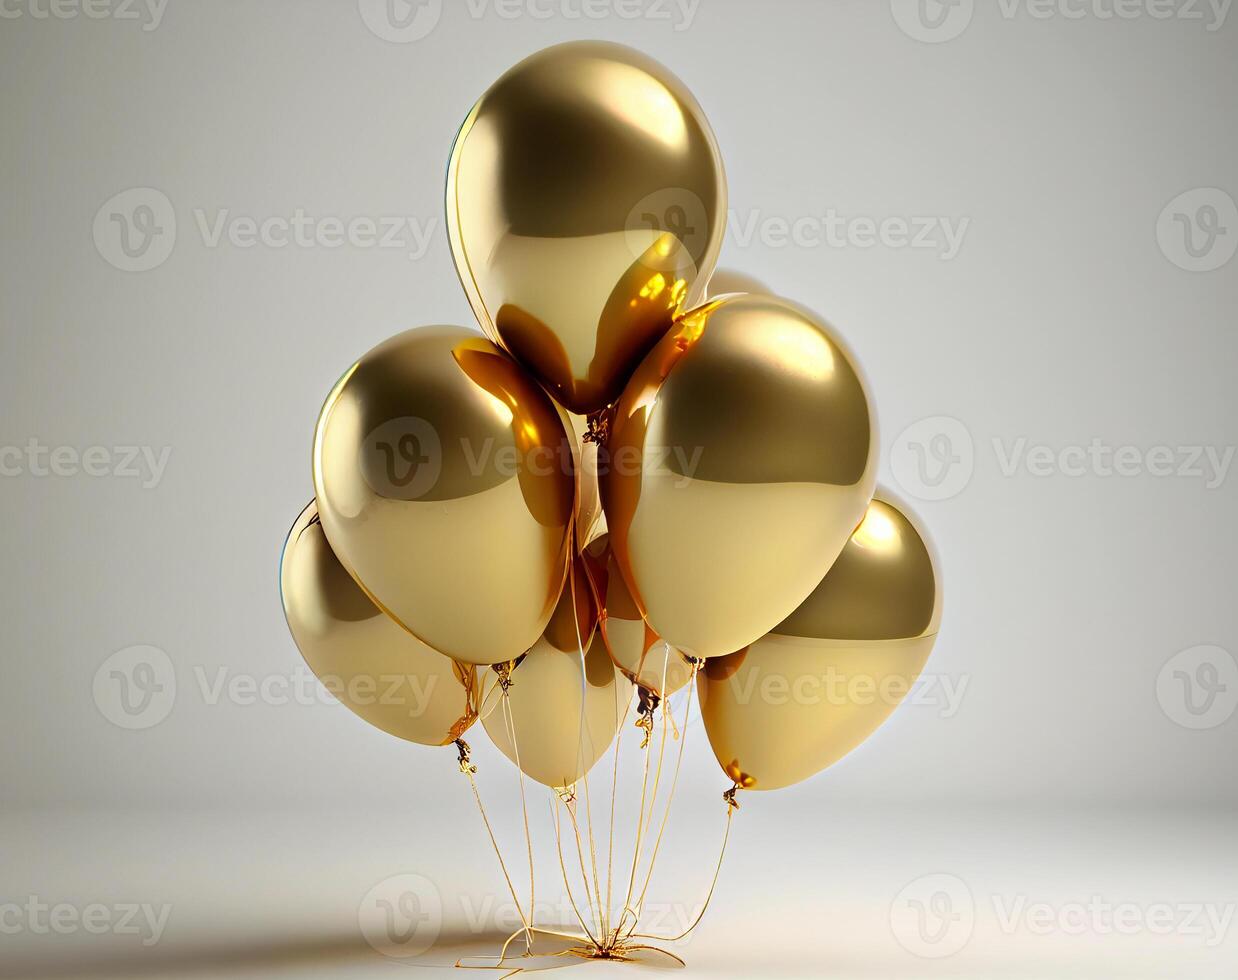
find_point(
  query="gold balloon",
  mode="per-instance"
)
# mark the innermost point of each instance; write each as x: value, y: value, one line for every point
x: 644, y: 657
x: 585, y: 207
x: 446, y: 484
x: 818, y: 685
x: 741, y: 456
x: 590, y: 520
x: 384, y: 674
x: 563, y: 706
x: 562, y: 631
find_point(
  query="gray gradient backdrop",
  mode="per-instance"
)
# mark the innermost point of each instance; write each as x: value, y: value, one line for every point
x: 1071, y: 180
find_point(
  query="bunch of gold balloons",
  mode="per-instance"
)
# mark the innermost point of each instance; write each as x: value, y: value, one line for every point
x: 625, y: 484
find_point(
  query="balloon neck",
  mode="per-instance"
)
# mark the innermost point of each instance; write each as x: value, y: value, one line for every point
x: 649, y: 701
x: 597, y: 426
x: 504, y: 673
x: 466, y: 765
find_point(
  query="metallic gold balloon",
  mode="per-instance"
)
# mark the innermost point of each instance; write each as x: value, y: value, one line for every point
x: 590, y: 520
x: 446, y: 484
x: 741, y: 456
x: 644, y: 657
x: 818, y: 685
x: 563, y: 707
x: 364, y: 658
x: 564, y: 633
x: 585, y: 208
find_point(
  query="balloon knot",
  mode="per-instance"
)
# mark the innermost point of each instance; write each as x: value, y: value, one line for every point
x: 649, y: 702
x: 645, y: 724
x: 466, y: 766
x: 598, y: 427
x: 504, y: 672
x: 729, y: 798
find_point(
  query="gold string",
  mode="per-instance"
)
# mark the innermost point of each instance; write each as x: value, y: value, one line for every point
x: 510, y: 723
x: 594, y: 912
x: 643, y: 821
x: 640, y: 821
x: 461, y: 965
x: 607, y: 943
x: 580, y: 735
x: 683, y: 741
x: 584, y: 873
x: 655, y: 949
x: 563, y: 866
x: 730, y: 812
x: 657, y: 777
x: 470, y: 770
x: 614, y: 792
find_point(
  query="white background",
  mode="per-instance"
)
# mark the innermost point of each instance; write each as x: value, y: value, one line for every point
x: 1071, y: 315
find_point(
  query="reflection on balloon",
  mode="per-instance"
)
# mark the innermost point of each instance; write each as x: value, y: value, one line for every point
x: 643, y: 656
x: 725, y: 281
x: 740, y: 458
x: 620, y: 487
x: 585, y: 208
x: 590, y: 519
x: 381, y: 672
x: 564, y: 704
x: 445, y: 485
x: 818, y: 685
